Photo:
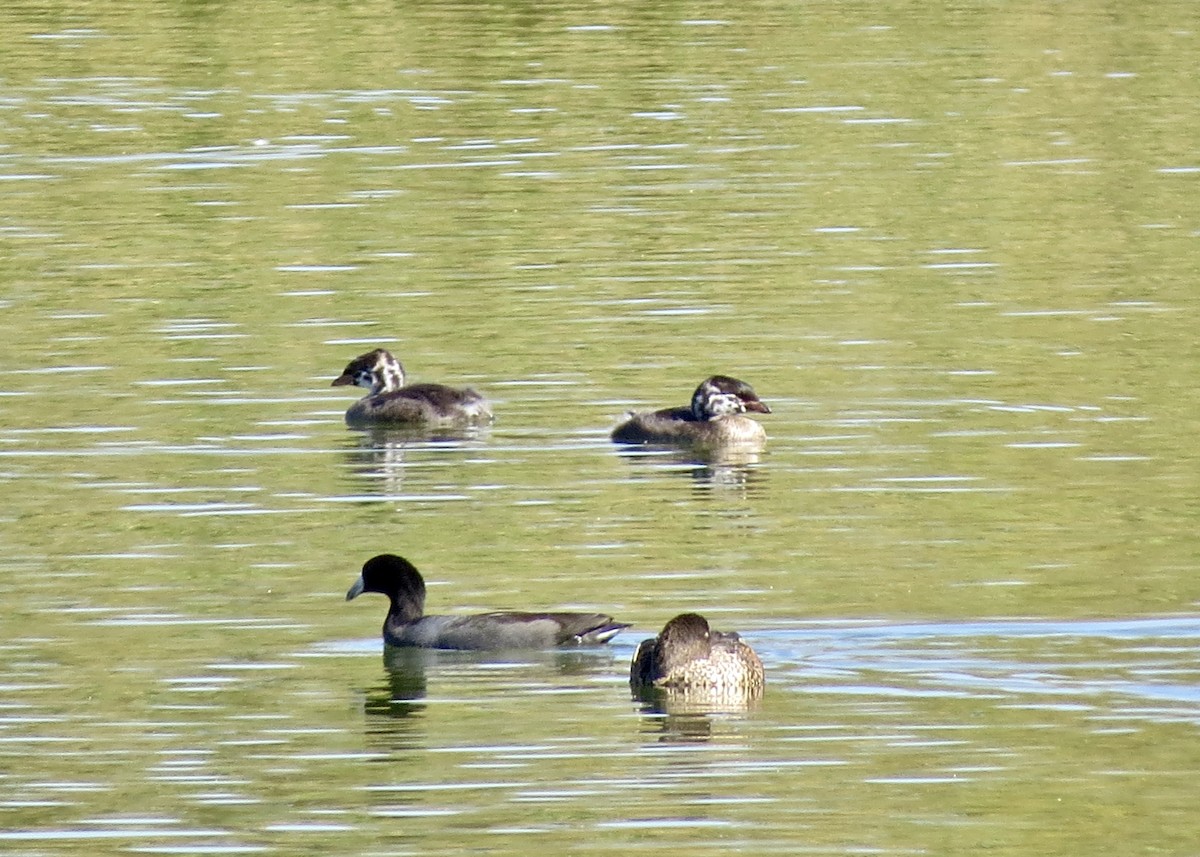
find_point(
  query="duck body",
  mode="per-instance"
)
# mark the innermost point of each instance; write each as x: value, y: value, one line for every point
x: 689, y: 656
x: 677, y: 426
x: 420, y: 404
x: 716, y: 417
x: 407, y: 624
x: 389, y: 401
x: 502, y: 630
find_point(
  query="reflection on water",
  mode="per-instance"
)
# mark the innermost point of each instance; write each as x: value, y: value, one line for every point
x: 394, y: 707
x: 376, y: 458
x: 689, y: 714
x: 376, y: 461
x: 726, y: 468
x: 677, y: 727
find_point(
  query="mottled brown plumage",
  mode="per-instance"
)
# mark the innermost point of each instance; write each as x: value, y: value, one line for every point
x: 390, y: 402
x: 715, y: 417
x: 690, y: 656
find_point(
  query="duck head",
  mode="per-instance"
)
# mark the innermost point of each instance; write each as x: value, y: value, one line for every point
x: 398, y: 579
x: 377, y: 371
x: 684, y: 639
x: 721, y: 395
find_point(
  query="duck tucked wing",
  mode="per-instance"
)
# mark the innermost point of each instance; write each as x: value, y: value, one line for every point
x: 585, y: 629
x: 447, y: 401
x: 644, y: 667
x: 678, y: 426
x: 420, y: 404
x: 680, y: 414
x: 491, y: 631
x: 656, y: 426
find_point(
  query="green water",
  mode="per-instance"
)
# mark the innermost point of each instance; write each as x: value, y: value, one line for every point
x: 954, y: 250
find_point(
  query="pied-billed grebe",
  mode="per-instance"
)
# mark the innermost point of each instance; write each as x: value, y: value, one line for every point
x: 690, y: 656
x: 407, y: 624
x: 389, y: 402
x: 716, y: 417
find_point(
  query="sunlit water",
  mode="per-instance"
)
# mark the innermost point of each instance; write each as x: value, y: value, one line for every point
x: 953, y: 252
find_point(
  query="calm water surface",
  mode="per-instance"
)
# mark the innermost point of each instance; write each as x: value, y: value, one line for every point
x: 954, y: 251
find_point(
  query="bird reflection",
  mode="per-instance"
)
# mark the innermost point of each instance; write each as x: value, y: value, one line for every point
x: 686, y: 716
x: 406, y: 679
x: 376, y: 456
x: 721, y: 468
x: 394, y: 709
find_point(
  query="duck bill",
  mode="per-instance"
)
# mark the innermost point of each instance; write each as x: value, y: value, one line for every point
x: 755, y: 405
x: 343, y: 380
x: 356, y: 590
